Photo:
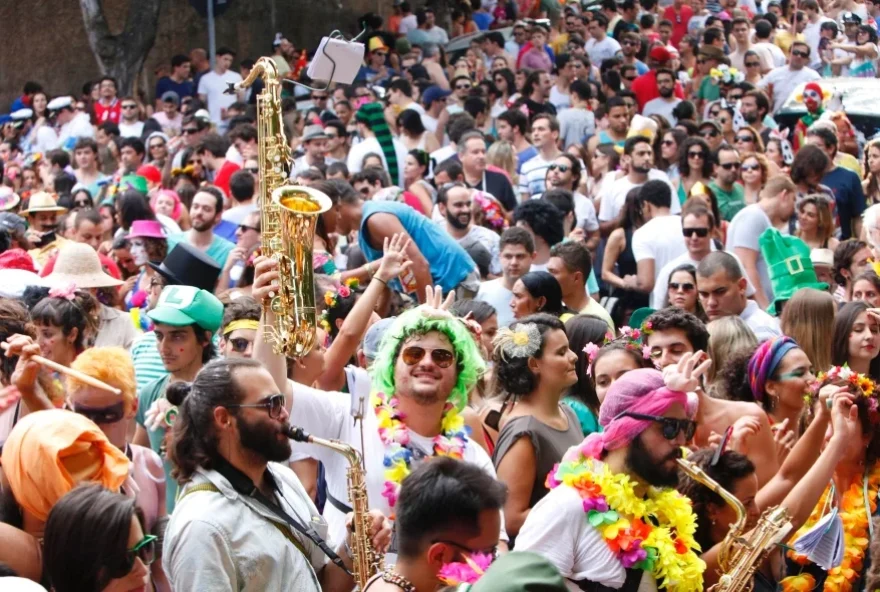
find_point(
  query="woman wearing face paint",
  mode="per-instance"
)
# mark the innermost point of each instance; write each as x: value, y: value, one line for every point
x: 147, y: 244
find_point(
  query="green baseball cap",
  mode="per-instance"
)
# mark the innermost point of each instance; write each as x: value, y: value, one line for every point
x: 179, y: 306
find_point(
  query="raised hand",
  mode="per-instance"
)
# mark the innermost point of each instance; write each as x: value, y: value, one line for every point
x: 685, y: 376
x: 394, y: 261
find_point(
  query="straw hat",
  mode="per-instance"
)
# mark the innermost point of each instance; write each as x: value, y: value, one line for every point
x: 78, y: 264
x: 43, y: 202
x: 8, y: 198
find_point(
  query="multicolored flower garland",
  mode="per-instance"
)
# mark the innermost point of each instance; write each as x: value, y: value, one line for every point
x: 856, y: 535
x: 465, y: 572
x: 331, y: 300
x: 629, y: 337
x: 451, y: 441
x: 627, y: 522
x: 859, y: 384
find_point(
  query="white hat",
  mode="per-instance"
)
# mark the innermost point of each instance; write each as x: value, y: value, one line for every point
x: 78, y: 264
x: 12, y: 584
x: 21, y: 114
x: 59, y: 103
x: 822, y: 257
x: 14, y: 281
x: 203, y: 115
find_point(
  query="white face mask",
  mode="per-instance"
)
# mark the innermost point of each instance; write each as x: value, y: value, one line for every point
x: 139, y: 254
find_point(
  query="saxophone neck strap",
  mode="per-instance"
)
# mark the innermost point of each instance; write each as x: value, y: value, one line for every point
x: 242, y: 484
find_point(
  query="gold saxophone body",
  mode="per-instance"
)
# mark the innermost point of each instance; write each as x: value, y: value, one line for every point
x: 741, y: 556
x: 367, y: 561
x: 288, y: 217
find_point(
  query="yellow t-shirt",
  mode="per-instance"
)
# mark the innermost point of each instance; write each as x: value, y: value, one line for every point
x: 595, y: 309
x: 784, y: 39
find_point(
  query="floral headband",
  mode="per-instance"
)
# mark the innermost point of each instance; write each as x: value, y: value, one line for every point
x: 859, y: 384
x: 67, y: 292
x: 520, y: 340
x: 332, y: 299
x: 630, y: 338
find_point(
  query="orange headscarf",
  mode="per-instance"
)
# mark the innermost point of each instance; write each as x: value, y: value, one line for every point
x: 49, y: 452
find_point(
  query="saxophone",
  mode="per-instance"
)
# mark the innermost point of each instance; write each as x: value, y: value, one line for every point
x: 740, y: 557
x: 288, y: 217
x: 367, y: 561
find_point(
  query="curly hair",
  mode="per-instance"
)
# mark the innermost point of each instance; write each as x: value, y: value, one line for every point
x: 543, y: 218
x: 683, y: 165
x: 677, y: 318
x: 732, y: 378
x: 469, y: 361
x: 14, y: 320
x: 843, y: 258
x: 513, y: 373
x: 112, y: 365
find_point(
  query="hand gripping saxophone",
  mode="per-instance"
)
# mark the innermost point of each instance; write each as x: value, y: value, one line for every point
x: 367, y: 561
x: 288, y: 217
x: 741, y: 556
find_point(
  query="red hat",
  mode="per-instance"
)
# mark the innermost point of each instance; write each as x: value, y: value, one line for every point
x: 150, y: 173
x: 814, y: 86
x: 17, y: 259
x: 660, y: 54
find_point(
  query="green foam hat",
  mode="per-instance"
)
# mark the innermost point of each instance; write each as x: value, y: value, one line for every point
x: 789, y: 266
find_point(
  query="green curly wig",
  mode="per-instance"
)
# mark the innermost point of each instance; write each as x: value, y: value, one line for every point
x: 468, y: 360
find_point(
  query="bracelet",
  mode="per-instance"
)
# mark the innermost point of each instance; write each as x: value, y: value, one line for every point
x: 381, y: 280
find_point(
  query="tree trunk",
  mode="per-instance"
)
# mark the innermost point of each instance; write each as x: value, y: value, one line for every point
x: 122, y: 56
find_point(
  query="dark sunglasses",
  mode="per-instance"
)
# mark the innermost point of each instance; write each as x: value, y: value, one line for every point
x: 145, y: 550
x: 318, y: 98
x: 632, y: 43
x: 685, y: 287
x: 733, y: 98
x: 713, y: 133
x: 102, y: 415
x: 670, y: 426
x: 750, y: 167
x: 159, y: 145
x: 413, y: 355
x: 253, y: 170
x: 800, y: 54
x: 129, y: 106
x: 273, y: 404
x: 382, y: 53
x: 700, y: 232
x: 239, y: 344
x: 245, y: 228
x: 81, y: 204
x: 745, y: 139
x: 190, y: 130
x: 462, y: 87
x: 752, y: 64
x: 699, y: 154
x: 668, y: 143
x: 562, y: 168
x: 727, y: 166
x: 629, y: 79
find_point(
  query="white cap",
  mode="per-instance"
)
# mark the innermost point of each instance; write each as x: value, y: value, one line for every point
x: 59, y: 103
x: 822, y: 257
x: 202, y: 114
x: 22, y: 114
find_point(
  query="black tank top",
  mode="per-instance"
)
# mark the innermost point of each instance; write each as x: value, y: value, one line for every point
x: 626, y: 261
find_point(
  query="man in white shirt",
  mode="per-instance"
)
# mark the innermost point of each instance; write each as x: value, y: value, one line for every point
x: 545, y: 137
x: 315, y: 144
x: 517, y: 251
x: 763, y: 36
x: 779, y: 83
x: 72, y: 125
x: 600, y: 46
x: 565, y: 173
x: 667, y: 101
x: 659, y: 240
x: 129, y: 124
x: 370, y: 122
x: 213, y: 86
x: 742, y: 32
x: 455, y: 202
x: 721, y: 286
x: 570, y: 263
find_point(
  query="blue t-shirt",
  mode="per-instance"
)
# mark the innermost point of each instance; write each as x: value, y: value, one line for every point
x: 482, y: 20
x: 183, y: 89
x: 525, y: 156
x: 848, y: 197
x: 448, y: 261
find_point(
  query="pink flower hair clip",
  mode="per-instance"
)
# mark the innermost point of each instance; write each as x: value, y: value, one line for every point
x: 68, y: 292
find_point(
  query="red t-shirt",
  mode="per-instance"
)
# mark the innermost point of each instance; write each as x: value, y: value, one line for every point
x: 645, y: 88
x: 221, y: 180
x: 111, y: 112
x: 679, y: 22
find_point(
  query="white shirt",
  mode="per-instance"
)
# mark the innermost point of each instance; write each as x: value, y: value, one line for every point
x: 659, y: 239
x: 784, y: 80
x: 533, y: 174
x: 585, y: 212
x: 613, y: 196
x: 601, y: 50
x: 371, y: 146
x: 661, y: 106
x: 775, y: 52
x: 131, y: 130
x: 495, y: 293
x: 78, y: 127
x: 213, y: 86
x: 762, y: 324
x: 659, y: 294
x: 559, y: 99
x: 327, y: 415
x: 407, y: 24
x: 812, y: 35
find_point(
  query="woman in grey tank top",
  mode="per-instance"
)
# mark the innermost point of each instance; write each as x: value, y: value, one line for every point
x: 534, y: 368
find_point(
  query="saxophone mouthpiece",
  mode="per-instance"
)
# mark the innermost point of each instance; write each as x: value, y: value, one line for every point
x: 297, y: 434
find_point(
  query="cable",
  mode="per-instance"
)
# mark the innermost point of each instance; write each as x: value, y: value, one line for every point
x: 334, y: 35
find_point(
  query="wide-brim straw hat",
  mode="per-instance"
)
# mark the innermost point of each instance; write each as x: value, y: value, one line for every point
x: 78, y: 264
x: 42, y: 201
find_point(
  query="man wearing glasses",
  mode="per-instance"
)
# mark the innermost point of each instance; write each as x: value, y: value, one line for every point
x: 239, y: 329
x: 130, y: 125
x: 779, y: 83
x: 646, y: 422
x: 375, y: 71
x: 728, y: 192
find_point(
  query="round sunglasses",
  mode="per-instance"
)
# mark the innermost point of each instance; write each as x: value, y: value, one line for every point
x: 414, y: 354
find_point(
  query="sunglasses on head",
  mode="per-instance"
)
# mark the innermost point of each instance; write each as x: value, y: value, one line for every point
x: 684, y: 287
x: 727, y: 166
x: 670, y: 426
x: 102, y: 415
x: 414, y: 354
x: 700, y: 232
x: 562, y: 168
x: 145, y: 550
x: 273, y: 404
x: 239, y: 344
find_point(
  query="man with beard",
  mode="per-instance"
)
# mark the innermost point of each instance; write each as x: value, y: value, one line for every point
x: 245, y: 522
x: 205, y: 213
x: 455, y: 202
x: 42, y: 216
x: 754, y: 108
x: 426, y: 366
x: 667, y: 101
x: 624, y: 474
x: 185, y: 318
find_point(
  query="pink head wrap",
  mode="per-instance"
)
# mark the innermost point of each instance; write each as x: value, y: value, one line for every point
x: 637, y: 391
x: 175, y: 215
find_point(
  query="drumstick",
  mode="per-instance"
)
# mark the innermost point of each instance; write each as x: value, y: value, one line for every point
x: 84, y: 378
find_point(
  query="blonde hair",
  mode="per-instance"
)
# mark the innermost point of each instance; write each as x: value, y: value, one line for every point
x: 727, y: 336
x: 503, y: 155
x: 108, y: 364
x: 808, y: 318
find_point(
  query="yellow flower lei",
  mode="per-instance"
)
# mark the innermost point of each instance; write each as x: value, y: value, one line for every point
x: 855, y: 532
x: 675, y: 565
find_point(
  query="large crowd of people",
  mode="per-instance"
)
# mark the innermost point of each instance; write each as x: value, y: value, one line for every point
x: 571, y: 273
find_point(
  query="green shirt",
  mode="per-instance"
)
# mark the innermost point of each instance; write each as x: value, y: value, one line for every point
x: 709, y: 89
x: 218, y: 251
x: 146, y: 397
x: 588, y: 421
x: 729, y: 203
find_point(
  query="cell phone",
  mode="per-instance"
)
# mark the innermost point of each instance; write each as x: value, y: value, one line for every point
x: 46, y: 239
x: 493, y: 419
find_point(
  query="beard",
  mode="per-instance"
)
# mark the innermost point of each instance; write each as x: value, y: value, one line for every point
x: 750, y: 116
x: 263, y: 440
x: 641, y: 169
x: 665, y: 92
x: 651, y: 470
x: 201, y: 226
x: 459, y: 222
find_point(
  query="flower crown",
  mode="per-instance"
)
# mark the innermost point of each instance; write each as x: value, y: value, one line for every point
x: 629, y: 337
x: 726, y: 74
x: 859, y: 384
x: 332, y: 300
x: 520, y: 340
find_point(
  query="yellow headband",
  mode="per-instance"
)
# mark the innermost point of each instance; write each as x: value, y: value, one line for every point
x: 241, y: 324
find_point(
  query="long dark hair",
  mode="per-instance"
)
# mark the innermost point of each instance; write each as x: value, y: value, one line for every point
x: 581, y: 330
x: 541, y: 283
x: 683, y: 166
x: 193, y: 439
x: 86, y: 538
x: 133, y: 205
x: 410, y: 121
x: 846, y: 318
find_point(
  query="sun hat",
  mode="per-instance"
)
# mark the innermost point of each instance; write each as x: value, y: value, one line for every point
x: 822, y: 257
x: 185, y: 265
x: 146, y: 229
x: 8, y: 198
x: 314, y: 132
x: 14, y: 281
x: 41, y: 201
x: 789, y: 265
x: 179, y: 306
x: 79, y: 264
